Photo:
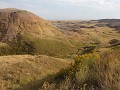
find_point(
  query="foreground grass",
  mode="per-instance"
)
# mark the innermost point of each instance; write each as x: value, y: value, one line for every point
x: 89, y: 72
x: 17, y: 71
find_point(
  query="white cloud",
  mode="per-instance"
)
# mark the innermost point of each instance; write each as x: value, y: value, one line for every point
x: 84, y: 1
x: 92, y: 2
x: 61, y: 9
x: 101, y: 4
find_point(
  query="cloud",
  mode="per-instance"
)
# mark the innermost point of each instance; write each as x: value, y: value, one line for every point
x: 67, y: 9
x: 85, y: 1
x: 92, y: 2
x: 105, y: 5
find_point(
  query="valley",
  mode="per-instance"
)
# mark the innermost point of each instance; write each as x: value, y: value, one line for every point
x: 39, y: 54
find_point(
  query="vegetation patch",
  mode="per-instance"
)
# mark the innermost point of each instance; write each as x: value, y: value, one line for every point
x: 89, y: 72
x: 26, y: 45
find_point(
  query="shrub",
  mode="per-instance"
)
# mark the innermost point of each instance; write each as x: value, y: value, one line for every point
x: 91, y: 72
x: 79, y: 71
x: 22, y: 45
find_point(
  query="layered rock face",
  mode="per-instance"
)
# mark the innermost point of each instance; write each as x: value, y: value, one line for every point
x: 14, y: 21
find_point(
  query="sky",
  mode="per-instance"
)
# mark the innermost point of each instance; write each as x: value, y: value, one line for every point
x: 67, y: 9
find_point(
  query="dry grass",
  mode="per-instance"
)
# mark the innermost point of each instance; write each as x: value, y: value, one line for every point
x: 107, y: 71
x: 101, y: 74
x: 101, y: 34
x: 18, y: 70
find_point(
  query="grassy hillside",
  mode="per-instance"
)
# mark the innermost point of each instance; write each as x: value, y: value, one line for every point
x: 18, y: 70
x: 89, y: 32
x: 89, y: 72
x: 26, y: 33
x: 26, y: 62
x: 34, y: 46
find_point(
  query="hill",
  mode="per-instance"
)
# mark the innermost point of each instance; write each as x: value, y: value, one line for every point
x: 91, y: 32
x: 27, y: 43
x: 25, y: 33
x: 14, y: 21
x: 17, y: 71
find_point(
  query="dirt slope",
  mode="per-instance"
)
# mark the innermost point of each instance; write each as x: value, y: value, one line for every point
x: 14, y: 21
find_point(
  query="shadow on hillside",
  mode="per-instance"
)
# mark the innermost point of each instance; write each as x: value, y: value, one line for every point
x: 36, y: 85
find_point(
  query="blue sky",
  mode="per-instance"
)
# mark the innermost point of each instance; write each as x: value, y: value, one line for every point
x: 67, y: 9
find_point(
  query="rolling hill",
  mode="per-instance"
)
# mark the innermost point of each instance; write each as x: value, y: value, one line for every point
x: 22, y: 32
x: 28, y: 41
x: 17, y: 71
x: 14, y: 21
